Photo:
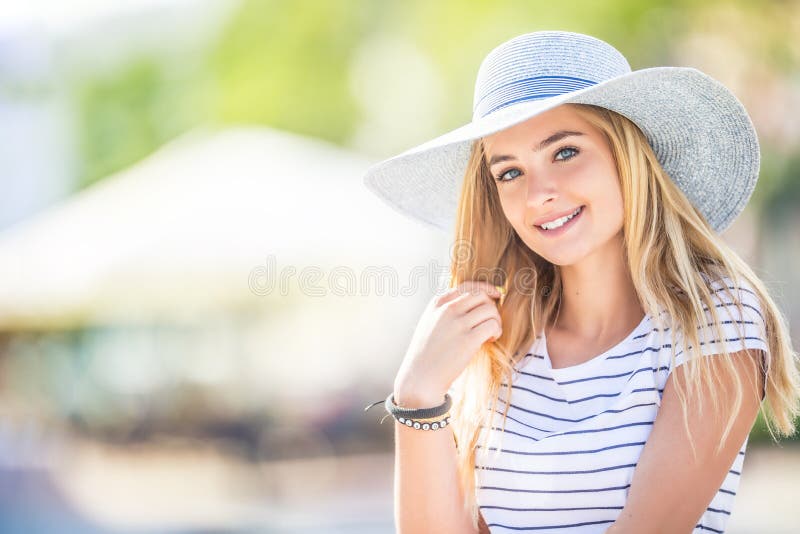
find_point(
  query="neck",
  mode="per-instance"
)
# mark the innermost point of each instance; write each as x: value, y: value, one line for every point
x: 598, y: 297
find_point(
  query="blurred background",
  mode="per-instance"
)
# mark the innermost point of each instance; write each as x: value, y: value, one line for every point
x: 197, y: 295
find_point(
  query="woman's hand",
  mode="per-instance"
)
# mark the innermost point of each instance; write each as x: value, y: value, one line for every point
x: 449, y: 333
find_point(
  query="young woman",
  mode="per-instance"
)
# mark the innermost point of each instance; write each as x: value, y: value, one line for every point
x: 607, y: 353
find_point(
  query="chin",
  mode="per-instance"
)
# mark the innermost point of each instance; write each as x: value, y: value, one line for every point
x: 562, y: 260
x: 558, y: 255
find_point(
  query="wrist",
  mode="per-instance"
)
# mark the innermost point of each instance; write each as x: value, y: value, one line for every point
x: 417, y: 398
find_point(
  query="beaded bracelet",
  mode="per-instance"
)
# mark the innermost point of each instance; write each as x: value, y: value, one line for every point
x: 418, y: 413
x: 418, y: 418
x: 426, y: 424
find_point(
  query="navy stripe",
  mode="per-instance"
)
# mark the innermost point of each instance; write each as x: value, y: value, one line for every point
x: 727, y: 491
x: 602, y: 429
x: 637, y: 390
x: 584, y: 418
x: 533, y: 88
x: 589, y: 431
x: 729, y: 340
x: 509, y: 508
x: 498, y: 429
x: 729, y: 321
x: 703, y: 527
x: 726, y: 512
x: 717, y: 290
x: 521, y: 99
x: 726, y: 304
x: 531, y: 79
x: 514, y: 386
x: 551, y: 526
x: 744, y: 305
x: 616, y: 356
x: 550, y: 378
x: 589, y: 490
x: 525, y: 472
x: 529, y: 355
x: 638, y: 336
x: 599, y: 377
x: 552, y: 86
x: 653, y: 349
x: 585, y: 451
x: 521, y: 423
x: 723, y: 288
x: 555, y: 399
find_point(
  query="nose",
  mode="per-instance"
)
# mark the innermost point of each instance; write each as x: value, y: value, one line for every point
x: 542, y: 189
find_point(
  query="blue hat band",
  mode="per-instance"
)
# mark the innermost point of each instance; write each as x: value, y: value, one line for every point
x: 534, y: 88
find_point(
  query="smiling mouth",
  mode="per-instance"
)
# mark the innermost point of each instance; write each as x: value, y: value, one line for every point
x: 558, y: 223
x: 561, y: 225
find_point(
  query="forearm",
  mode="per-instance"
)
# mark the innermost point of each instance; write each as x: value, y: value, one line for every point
x: 621, y: 527
x: 428, y: 496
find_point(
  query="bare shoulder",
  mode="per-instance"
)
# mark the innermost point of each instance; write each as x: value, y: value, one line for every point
x: 677, y: 506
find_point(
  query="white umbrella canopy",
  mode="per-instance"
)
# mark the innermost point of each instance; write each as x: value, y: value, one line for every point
x: 214, y: 218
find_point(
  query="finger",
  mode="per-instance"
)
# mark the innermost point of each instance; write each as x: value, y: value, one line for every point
x: 480, y: 286
x: 468, y: 287
x: 446, y: 297
x: 488, y: 330
x: 468, y: 302
x: 482, y: 312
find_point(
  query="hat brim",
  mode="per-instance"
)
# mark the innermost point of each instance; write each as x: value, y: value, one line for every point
x: 700, y: 132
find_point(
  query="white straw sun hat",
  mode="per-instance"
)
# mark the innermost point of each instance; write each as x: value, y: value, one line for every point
x: 701, y: 134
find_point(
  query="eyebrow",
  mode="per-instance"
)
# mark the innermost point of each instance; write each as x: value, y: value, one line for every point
x: 561, y: 134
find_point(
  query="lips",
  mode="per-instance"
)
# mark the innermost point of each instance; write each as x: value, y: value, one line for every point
x: 554, y: 216
x: 564, y: 227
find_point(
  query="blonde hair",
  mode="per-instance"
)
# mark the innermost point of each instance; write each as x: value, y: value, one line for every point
x: 671, y: 252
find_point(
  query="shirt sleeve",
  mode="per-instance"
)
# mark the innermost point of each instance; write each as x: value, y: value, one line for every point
x: 742, y: 329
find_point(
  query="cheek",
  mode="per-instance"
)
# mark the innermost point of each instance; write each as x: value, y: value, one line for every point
x: 609, y: 207
x: 513, y: 206
x: 596, y: 183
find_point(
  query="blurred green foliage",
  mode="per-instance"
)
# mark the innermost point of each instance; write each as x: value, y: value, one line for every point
x: 283, y: 64
x: 287, y: 65
x: 129, y: 113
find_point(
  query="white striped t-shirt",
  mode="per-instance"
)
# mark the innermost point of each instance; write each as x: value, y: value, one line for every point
x: 574, y: 435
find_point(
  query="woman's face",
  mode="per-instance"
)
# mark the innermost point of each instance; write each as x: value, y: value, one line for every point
x: 548, y: 167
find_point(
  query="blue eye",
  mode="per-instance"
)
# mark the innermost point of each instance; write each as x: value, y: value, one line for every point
x: 568, y: 149
x: 500, y: 177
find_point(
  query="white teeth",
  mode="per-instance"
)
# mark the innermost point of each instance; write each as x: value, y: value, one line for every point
x: 560, y: 222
